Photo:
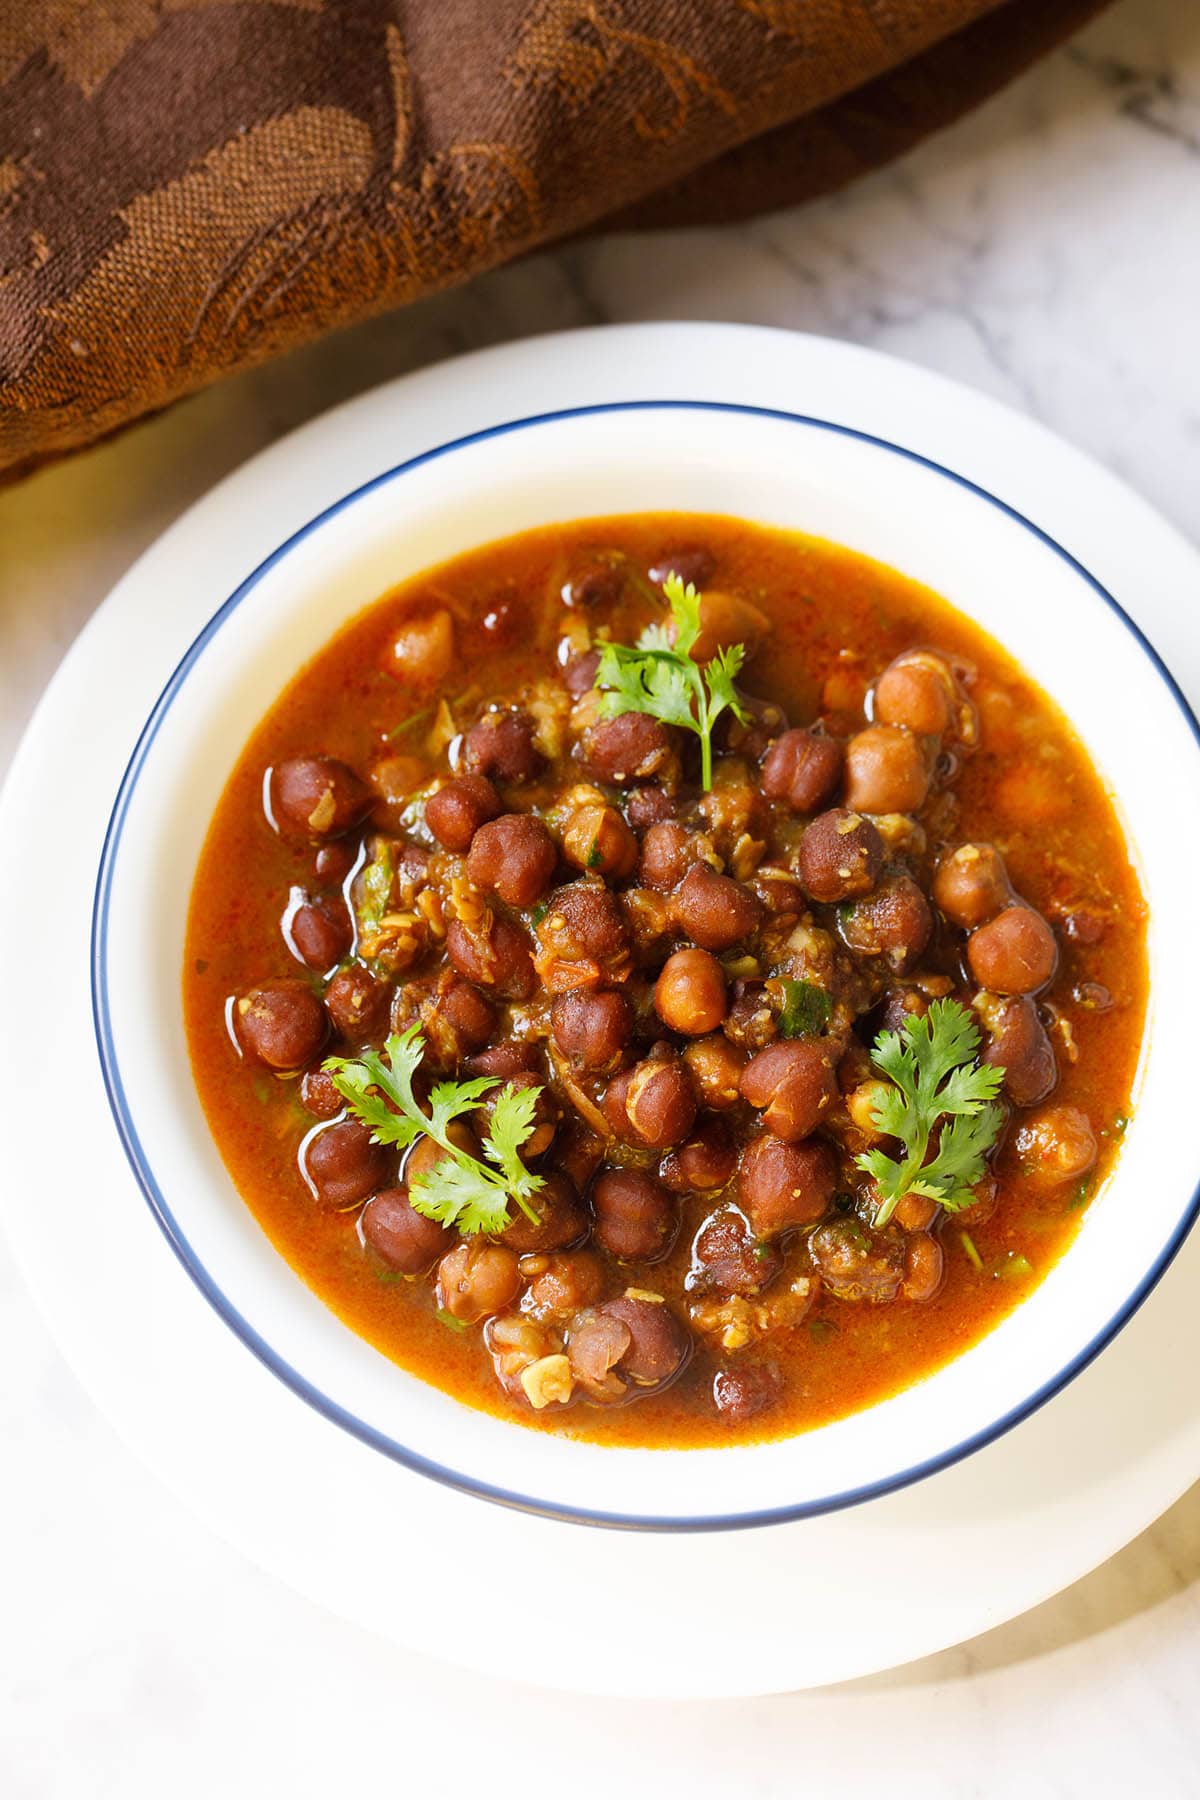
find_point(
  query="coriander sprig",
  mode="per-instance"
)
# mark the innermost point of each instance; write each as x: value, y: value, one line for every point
x: 935, y: 1079
x: 663, y: 679
x: 459, y: 1190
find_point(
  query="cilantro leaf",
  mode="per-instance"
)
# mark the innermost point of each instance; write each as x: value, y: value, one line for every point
x: 663, y: 679
x: 720, y: 673
x: 450, y: 1099
x: 646, y: 680
x: 936, y: 1081
x: 453, y: 1194
x: 459, y: 1190
x: 512, y: 1123
x: 805, y: 1007
x: 655, y: 637
x: 685, y: 610
x: 367, y: 1084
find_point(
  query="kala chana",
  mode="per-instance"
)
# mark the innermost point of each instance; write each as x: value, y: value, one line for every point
x: 558, y: 1037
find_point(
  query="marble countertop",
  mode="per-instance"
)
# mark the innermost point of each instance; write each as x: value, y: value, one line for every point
x: 1046, y: 250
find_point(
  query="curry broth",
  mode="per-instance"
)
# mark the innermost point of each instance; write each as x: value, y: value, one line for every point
x: 1030, y: 789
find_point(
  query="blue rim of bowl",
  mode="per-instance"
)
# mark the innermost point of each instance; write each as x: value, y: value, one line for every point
x: 177, y: 1239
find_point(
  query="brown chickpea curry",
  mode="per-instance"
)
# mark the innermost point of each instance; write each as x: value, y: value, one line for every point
x: 666, y: 981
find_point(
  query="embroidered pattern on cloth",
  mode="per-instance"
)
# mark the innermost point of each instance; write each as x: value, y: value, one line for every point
x: 188, y: 187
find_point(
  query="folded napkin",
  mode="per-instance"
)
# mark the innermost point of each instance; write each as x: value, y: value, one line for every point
x: 188, y: 187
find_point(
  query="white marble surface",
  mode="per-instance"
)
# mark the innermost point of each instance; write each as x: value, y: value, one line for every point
x: 1047, y: 250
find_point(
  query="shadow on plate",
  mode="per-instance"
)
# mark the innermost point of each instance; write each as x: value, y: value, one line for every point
x: 1156, y: 1567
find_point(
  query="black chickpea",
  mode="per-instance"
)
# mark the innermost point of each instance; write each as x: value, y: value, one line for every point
x: 562, y: 1218
x: 631, y: 747
x: 916, y: 1212
x: 1086, y: 926
x: 591, y: 1027
x: 545, y: 1115
x: 394, y: 780
x: 924, y: 1266
x: 317, y: 797
x: 715, y: 911
x: 971, y: 885
x: 579, y: 674
x: 283, y: 1024
x: 646, y: 806
x: 459, y: 807
x: 420, y: 651
x: 320, y: 932
x: 704, y: 1161
x: 917, y: 691
x: 506, y: 1059
x: 745, y: 1391
x: 1014, y: 953
x: 612, y: 1106
x: 318, y: 1095
x: 716, y: 1068
x: 987, y: 1197
x: 1017, y: 1042
x: 597, y: 584
x: 595, y: 1345
x: 779, y: 891
x: 660, y: 1101
x: 595, y: 836
x: 635, y: 1217
x: 668, y: 852
x: 659, y: 1344
x: 499, y: 958
x: 794, y: 1083
x: 455, y: 1019
x: 343, y: 1165
x: 691, y: 562
x: 753, y: 736
x: 425, y: 1153
x: 781, y: 1185
x: 689, y: 995
x: 856, y: 1263
x: 513, y: 856
x: 886, y: 771
x: 578, y: 1151
x: 894, y: 923
x: 567, y: 1285
x: 802, y: 768
x: 357, y: 1002
x: 401, y: 1236
x: 502, y: 747
x: 333, y: 862
x: 839, y: 856
x: 900, y: 1004
x: 477, y: 1279
x: 1058, y: 1144
x: 750, y: 1023
x: 583, y: 922
x: 727, y: 1256
x: 726, y: 619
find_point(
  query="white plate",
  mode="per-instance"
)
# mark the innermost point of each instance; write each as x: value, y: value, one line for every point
x: 814, y: 1600
x: 773, y: 466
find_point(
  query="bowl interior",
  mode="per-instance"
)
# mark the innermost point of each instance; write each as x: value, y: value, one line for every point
x: 772, y: 469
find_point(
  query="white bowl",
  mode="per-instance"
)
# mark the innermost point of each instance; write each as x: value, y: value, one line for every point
x: 778, y: 469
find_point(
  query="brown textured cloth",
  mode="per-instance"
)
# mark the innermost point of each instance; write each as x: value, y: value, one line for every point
x: 188, y: 187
